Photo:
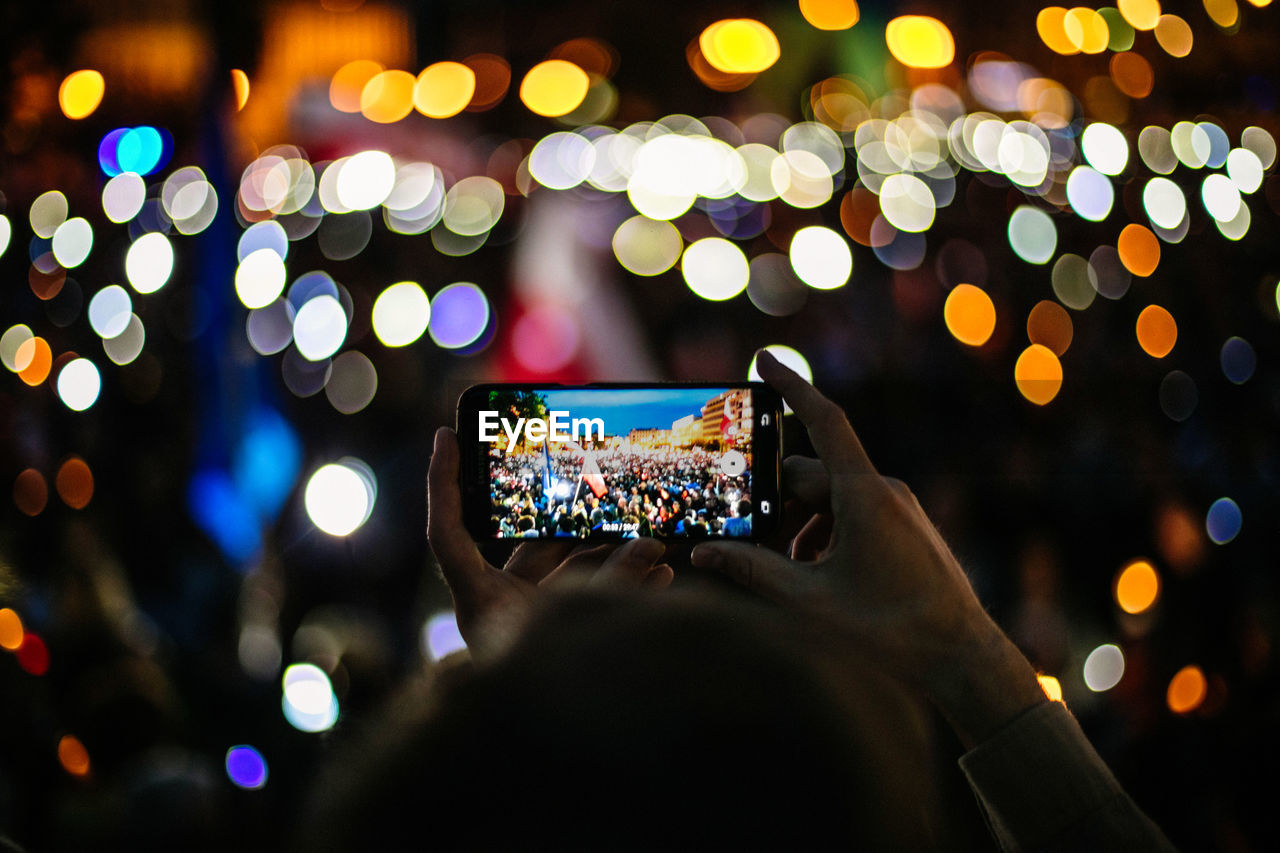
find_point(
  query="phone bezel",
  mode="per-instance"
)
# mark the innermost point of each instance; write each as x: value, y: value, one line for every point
x: 766, y: 450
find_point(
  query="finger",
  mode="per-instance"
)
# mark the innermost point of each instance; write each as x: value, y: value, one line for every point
x: 454, y: 550
x: 630, y: 564
x: 758, y: 569
x: 533, y: 561
x: 812, y: 538
x: 829, y: 430
x: 659, y: 577
x: 806, y: 480
x: 584, y: 560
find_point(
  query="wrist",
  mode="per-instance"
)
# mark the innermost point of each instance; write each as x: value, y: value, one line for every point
x: 983, y: 685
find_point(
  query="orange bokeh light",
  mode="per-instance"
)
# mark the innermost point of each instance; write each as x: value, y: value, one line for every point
x: 970, y: 315
x: 1157, y: 331
x: 1139, y: 249
x: 1137, y: 587
x: 1187, y: 690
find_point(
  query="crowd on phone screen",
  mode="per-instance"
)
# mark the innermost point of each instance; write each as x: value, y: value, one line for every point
x: 640, y: 492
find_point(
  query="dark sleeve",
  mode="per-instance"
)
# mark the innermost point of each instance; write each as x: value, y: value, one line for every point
x: 1042, y: 787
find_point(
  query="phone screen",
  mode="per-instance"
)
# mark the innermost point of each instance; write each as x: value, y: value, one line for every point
x: 675, y: 462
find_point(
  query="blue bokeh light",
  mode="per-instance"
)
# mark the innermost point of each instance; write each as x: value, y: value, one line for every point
x: 1238, y: 360
x: 459, y: 315
x: 1223, y: 521
x: 246, y: 768
x: 143, y: 150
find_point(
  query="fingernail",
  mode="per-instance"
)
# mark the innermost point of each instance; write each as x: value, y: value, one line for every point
x: 707, y: 558
x: 647, y: 549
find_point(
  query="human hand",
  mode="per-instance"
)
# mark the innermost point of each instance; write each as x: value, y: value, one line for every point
x: 491, y: 603
x: 871, y: 565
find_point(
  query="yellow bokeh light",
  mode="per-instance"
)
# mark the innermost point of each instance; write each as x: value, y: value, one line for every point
x: 80, y: 93
x: 830, y: 14
x: 554, y: 87
x: 72, y: 755
x: 1086, y: 29
x: 240, y: 85
x: 11, y: 630
x: 444, y: 89
x: 1051, y: 686
x: 1141, y: 14
x: 348, y: 83
x: 1050, y: 25
x: 739, y: 46
x: 970, y: 315
x: 1174, y: 35
x: 1224, y: 13
x: 1157, y: 331
x: 1187, y: 690
x: 387, y: 97
x: 919, y: 41
x: 1139, y: 249
x: 1137, y: 587
x: 1038, y: 374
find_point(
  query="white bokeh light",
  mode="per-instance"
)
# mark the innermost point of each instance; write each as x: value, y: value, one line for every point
x: 820, y: 257
x: 79, y: 384
x: 260, y: 278
x: 401, y: 314
x: 320, y: 327
x: 149, y: 262
x: 715, y: 268
x: 339, y: 496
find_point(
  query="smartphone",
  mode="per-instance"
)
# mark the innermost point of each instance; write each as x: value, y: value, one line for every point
x: 620, y: 460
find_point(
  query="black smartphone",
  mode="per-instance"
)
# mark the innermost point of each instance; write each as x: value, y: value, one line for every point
x: 620, y: 460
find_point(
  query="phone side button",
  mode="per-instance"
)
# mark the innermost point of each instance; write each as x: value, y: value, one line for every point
x: 765, y: 507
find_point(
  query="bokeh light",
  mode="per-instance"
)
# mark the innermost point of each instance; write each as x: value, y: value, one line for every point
x: 78, y: 384
x: 441, y: 637
x: 308, y: 700
x: 339, y: 496
x: 348, y: 83
x: 1103, y: 668
x: 1164, y: 202
x: 789, y: 357
x: 1223, y: 521
x: 739, y: 46
x: 1187, y: 690
x: 80, y: 93
x: 645, y: 246
x: 74, y: 482
x: 30, y: 492
x: 715, y: 268
x: 260, y: 278
x: 353, y: 382
x: 34, y: 360
x: 1174, y: 35
x: 1049, y: 325
x: 820, y: 257
x: 1139, y: 249
x: 401, y: 314
x: 319, y: 327
x: 47, y: 212
x: 1104, y: 146
x: 1038, y: 374
x: 460, y: 315
x: 919, y: 41
x: 149, y: 262
x: 33, y: 654
x: 1137, y: 587
x: 240, y: 87
x: 246, y: 768
x: 545, y: 338
x: 11, y: 630
x: 444, y: 89
x: 1238, y: 360
x: 387, y: 97
x: 1141, y: 14
x: 123, y: 196
x: 970, y: 315
x: 72, y: 755
x: 830, y: 14
x: 554, y: 87
x: 1090, y: 193
x: 1032, y: 235
x: 1157, y: 331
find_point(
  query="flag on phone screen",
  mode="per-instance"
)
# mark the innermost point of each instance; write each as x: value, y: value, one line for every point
x: 591, y: 474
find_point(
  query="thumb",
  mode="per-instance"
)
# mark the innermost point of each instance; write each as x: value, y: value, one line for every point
x: 757, y: 568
